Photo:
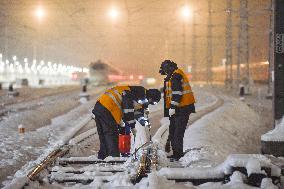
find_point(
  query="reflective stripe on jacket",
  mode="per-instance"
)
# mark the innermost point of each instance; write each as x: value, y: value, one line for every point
x: 186, y: 93
x: 112, y: 100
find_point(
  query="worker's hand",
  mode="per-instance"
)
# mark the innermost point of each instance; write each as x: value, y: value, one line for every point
x: 134, y: 131
x: 122, y: 124
x: 171, y: 112
x: 144, y: 121
x: 147, y: 124
x: 93, y: 116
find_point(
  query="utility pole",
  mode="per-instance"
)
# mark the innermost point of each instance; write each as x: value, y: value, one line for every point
x: 246, y: 39
x: 243, y: 43
x: 273, y: 147
x: 184, y: 61
x: 6, y: 42
x: 193, y: 47
x: 167, y: 44
x: 270, y: 52
x: 278, y: 51
x: 229, y: 46
x: 209, y: 43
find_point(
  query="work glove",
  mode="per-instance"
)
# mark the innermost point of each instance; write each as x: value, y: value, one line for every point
x: 144, y: 122
x: 147, y: 124
x: 122, y: 124
x: 172, y: 112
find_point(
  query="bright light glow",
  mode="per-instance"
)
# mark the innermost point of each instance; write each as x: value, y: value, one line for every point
x: 150, y: 81
x: 40, y: 13
x: 140, y: 77
x: 52, y: 72
x: 186, y: 12
x: 0, y: 55
x: 131, y: 77
x: 113, y: 13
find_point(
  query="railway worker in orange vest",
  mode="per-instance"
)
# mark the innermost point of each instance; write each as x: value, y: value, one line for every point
x: 115, y: 113
x: 178, y: 105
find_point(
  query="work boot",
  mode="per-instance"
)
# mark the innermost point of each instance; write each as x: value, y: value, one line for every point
x: 168, y: 147
x: 176, y: 156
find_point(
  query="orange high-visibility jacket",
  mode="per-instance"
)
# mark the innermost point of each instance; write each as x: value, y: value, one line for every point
x: 112, y: 101
x: 186, y: 94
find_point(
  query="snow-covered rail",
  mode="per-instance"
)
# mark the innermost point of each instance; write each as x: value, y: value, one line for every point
x: 60, y: 151
x: 70, y: 142
x: 149, y: 167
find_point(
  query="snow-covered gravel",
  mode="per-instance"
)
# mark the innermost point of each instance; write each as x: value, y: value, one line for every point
x: 232, y: 128
x: 44, y: 128
x: 28, y: 94
x: 277, y: 134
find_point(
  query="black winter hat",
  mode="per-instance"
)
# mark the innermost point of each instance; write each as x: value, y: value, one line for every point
x: 166, y: 66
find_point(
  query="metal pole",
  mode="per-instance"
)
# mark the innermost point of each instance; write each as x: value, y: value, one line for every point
x: 246, y: 39
x: 209, y: 43
x: 278, y: 100
x: 243, y: 43
x: 193, y: 48
x: 184, y: 61
x: 6, y: 40
x: 229, y: 44
x: 270, y: 51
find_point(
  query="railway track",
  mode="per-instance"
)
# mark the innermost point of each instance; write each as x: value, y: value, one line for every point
x: 62, y: 169
x: 36, y: 102
x: 81, y: 139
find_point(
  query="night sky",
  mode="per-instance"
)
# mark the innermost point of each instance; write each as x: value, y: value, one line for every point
x: 143, y: 34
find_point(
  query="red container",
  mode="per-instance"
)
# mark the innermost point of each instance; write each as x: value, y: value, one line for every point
x: 124, y: 142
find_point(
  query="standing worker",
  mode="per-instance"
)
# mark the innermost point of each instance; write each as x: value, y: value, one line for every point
x: 178, y: 105
x: 115, y: 113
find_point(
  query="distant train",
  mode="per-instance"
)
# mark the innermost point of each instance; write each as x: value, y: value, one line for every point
x: 259, y: 72
x: 102, y: 73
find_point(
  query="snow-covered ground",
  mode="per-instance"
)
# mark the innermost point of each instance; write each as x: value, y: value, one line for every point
x: 232, y: 128
x: 28, y: 94
x: 45, y: 123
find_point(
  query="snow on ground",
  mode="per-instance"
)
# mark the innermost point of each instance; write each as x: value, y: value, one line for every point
x: 277, y: 134
x: 233, y: 128
x: 28, y: 94
x: 44, y: 131
x: 203, y: 100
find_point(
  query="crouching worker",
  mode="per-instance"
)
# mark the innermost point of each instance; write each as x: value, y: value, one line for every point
x: 115, y: 113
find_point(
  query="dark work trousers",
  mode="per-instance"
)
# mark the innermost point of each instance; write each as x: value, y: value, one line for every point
x: 177, y: 128
x: 108, y: 135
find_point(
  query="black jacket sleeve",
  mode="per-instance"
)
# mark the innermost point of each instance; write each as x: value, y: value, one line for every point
x: 139, y: 116
x: 128, y: 109
x: 176, y: 90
